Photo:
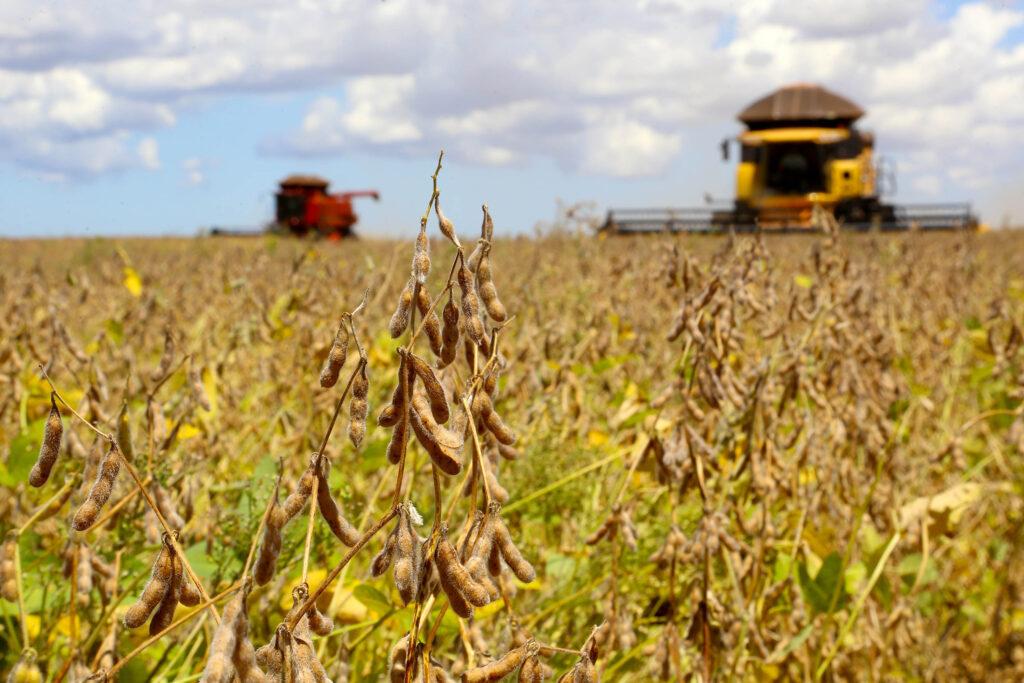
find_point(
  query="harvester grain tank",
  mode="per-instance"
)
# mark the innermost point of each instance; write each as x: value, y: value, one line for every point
x: 802, y: 161
x: 304, y: 206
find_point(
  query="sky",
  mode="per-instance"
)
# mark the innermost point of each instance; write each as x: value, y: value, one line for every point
x: 165, y: 117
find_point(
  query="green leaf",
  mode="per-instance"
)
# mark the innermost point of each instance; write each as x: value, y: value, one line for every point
x: 203, y: 565
x: 23, y: 453
x: 115, y: 330
x: 797, y: 641
x: 372, y: 598
x: 559, y: 568
x: 266, y: 469
x: 813, y: 595
x: 782, y: 568
x: 819, y: 591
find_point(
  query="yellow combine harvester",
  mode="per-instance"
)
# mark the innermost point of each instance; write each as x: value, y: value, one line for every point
x: 803, y: 162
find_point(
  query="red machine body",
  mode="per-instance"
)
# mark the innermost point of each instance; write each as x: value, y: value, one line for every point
x: 304, y: 206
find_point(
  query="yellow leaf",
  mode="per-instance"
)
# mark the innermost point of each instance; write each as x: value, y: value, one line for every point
x: 63, y: 627
x: 945, y: 508
x: 489, y: 609
x: 210, y: 384
x: 346, y: 608
x: 597, y: 438
x: 315, y: 577
x: 32, y: 624
x: 187, y: 431
x: 132, y: 281
x: 803, y: 281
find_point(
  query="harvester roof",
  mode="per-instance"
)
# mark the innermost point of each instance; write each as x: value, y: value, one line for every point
x: 304, y: 181
x: 800, y: 103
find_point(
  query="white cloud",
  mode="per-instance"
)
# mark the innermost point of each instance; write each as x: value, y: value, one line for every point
x: 194, y: 169
x: 604, y: 87
x: 622, y: 147
x: 832, y: 18
x: 149, y: 153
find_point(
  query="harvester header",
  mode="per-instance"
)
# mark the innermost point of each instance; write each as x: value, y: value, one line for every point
x: 802, y: 161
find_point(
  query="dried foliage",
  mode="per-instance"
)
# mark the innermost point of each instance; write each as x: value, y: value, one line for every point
x: 649, y: 459
x: 209, y: 419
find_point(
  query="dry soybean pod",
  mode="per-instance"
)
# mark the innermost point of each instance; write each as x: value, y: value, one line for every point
x: 50, y: 447
x: 449, y: 568
x: 487, y: 226
x: 167, y: 358
x: 195, y: 377
x: 272, y: 655
x: 449, y: 334
x: 408, y: 556
x: 446, y: 226
x: 484, y: 409
x: 244, y: 656
x: 481, y: 549
x: 470, y: 306
x: 124, y: 433
x: 382, y: 560
x: 456, y: 600
x: 100, y: 491
x: 400, y: 318
x: 400, y: 434
x: 485, y: 286
x: 340, y: 527
x: 319, y: 623
x: 432, y: 386
x: 335, y: 358
x: 498, y: 492
x: 431, y: 323
x: 165, y: 612
x: 83, y: 575
x: 166, y: 506
x: 496, y: 670
x: 190, y: 595
x: 388, y: 416
x: 296, y: 500
x: 26, y: 670
x: 220, y: 665
x: 8, y: 570
x: 155, y: 590
x: 531, y: 671
x: 441, y: 444
x: 513, y: 558
x: 473, y: 260
x: 584, y: 671
x: 270, y: 547
x: 421, y: 256
x: 359, y: 406
x: 245, y: 661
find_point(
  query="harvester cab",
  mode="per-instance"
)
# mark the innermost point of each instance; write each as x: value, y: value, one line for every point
x: 802, y: 149
x: 305, y: 207
x: 801, y: 156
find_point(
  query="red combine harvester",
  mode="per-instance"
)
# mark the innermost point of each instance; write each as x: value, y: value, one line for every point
x: 304, y: 207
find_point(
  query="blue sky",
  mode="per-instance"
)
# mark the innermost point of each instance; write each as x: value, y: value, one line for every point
x: 165, y: 117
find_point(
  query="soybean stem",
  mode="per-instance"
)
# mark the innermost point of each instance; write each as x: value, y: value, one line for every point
x: 311, y: 600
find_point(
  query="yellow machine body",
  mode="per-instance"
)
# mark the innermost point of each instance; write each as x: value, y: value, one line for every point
x: 784, y: 172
